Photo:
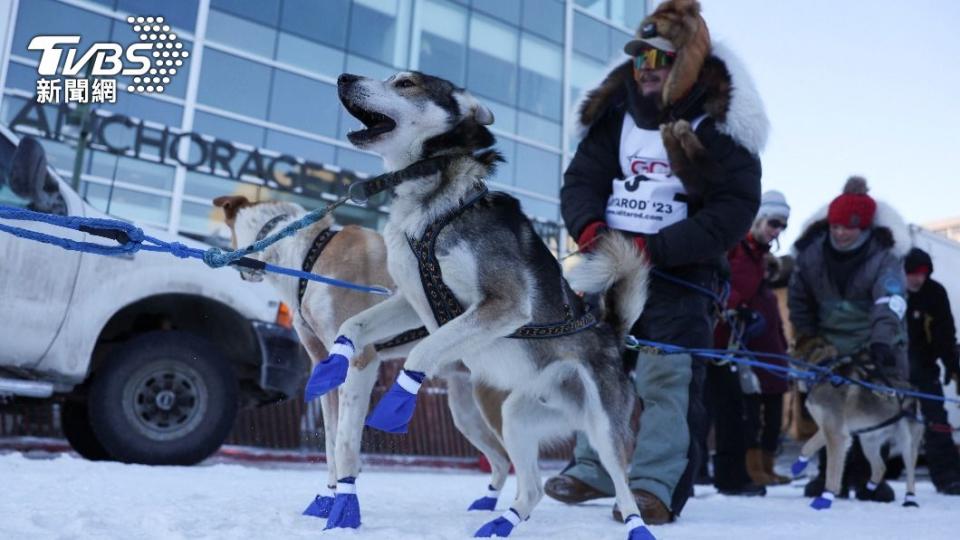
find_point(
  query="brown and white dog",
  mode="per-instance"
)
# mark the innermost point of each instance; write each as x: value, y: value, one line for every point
x: 357, y: 255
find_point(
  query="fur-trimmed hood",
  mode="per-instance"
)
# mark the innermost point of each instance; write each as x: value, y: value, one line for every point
x: 724, y: 87
x: 889, y: 229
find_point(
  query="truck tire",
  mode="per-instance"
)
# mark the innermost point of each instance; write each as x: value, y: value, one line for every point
x: 75, y: 424
x: 163, y: 398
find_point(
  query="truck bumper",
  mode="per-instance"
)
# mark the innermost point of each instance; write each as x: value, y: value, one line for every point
x: 284, y: 363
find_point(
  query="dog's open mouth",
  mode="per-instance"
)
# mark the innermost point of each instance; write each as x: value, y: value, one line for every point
x: 375, y: 124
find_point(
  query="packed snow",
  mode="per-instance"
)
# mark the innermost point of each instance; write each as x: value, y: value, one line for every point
x: 61, y: 496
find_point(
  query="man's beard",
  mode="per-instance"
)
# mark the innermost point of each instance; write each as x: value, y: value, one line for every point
x: 649, y: 106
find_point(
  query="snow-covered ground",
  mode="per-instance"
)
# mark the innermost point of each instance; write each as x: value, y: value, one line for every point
x: 65, y: 497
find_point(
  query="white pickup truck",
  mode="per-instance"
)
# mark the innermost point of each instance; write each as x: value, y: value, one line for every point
x: 149, y: 355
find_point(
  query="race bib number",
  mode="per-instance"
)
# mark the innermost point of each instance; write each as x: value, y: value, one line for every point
x: 644, y: 204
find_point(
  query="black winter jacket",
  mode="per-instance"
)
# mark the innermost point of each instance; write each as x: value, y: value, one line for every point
x: 717, y: 220
x: 931, y: 329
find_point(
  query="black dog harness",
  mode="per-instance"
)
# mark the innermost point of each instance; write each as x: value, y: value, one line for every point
x: 444, y: 304
x: 316, y: 249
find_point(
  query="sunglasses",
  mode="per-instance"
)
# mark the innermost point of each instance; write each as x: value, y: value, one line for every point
x: 651, y: 58
x: 777, y: 224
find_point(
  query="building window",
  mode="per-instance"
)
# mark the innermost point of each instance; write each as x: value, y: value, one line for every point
x: 241, y: 34
x: 323, y: 22
x: 222, y: 78
x: 492, y: 59
x: 53, y: 18
x: 262, y: 11
x: 541, y: 72
x: 302, y: 103
x: 545, y: 18
x: 180, y: 14
x: 538, y: 170
x: 378, y: 30
x: 310, y: 56
x: 442, y: 34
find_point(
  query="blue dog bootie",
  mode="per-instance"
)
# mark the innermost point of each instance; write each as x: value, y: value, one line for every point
x: 330, y: 373
x: 637, y: 529
x: 910, y: 501
x: 799, y: 466
x: 823, y: 502
x: 395, y: 409
x: 487, y: 502
x: 345, y: 513
x: 500, y: 527
x: 321, y: 504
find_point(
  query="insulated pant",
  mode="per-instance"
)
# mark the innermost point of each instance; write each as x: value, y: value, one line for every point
x: 943, y: 460
x: 726, y: 404
x: 668, y: 449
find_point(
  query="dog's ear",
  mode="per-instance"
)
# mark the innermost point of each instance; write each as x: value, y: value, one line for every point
x: 483, y: 115
x: 479, y: 111
x: 231, y: 204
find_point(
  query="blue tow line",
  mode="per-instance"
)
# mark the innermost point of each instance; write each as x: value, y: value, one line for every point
x: 810, y: 372
x: 131, y: 239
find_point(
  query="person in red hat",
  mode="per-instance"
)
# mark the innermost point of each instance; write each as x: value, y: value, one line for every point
x: 847, y: 298
x: 933, y: 336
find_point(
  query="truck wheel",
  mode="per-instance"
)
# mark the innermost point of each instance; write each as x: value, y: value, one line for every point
x: 163, y: 398
x: 75, y: 423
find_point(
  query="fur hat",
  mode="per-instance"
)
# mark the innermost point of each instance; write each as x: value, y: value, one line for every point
x: 854, y: 208
x: 677, y: 22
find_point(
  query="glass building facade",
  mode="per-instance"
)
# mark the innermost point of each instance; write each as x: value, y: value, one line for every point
x: 262, y: 76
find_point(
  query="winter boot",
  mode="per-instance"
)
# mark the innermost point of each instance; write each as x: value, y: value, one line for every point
x: 876, y: 492
x: 768, y: 459
x: 755, y: 469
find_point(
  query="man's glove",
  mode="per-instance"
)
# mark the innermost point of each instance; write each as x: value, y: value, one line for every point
x: 591, y: 233
x: 881, y: 355
x: 587, y: 241
x: 814, y: 349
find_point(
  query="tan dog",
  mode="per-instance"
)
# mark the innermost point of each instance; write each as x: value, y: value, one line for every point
x: 357, y: 255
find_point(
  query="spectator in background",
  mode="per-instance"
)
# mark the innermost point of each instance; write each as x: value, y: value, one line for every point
x: 932, y: 336
x: 846, y: 298
x: 747, y: 419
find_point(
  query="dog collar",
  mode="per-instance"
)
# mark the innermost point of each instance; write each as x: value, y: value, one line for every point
x: 360, y: 192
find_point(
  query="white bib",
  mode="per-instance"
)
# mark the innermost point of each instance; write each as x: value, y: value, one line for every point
x: 649, y: 197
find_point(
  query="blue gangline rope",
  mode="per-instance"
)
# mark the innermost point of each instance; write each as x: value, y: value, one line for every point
x: 810, y: 372
x: 131, y: 239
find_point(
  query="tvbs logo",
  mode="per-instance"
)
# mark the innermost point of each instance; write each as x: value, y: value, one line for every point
x: 151, y: 62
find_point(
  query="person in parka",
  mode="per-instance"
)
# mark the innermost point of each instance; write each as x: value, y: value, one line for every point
x: 847, y: 293
x: 670, y: 158
x: 933, y: 336
x: 846, y: 298
x: 748, y: 422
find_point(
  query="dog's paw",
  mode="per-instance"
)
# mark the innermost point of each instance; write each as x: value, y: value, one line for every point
x: 396, y: 407
x: 484, y: 503
x: 345, y: 512
x: 823, y: 502
x: 330, y: 373
x: 319, y: 507
x: 637, y: 530
x: 500, y: 527
x: 798, y: 466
